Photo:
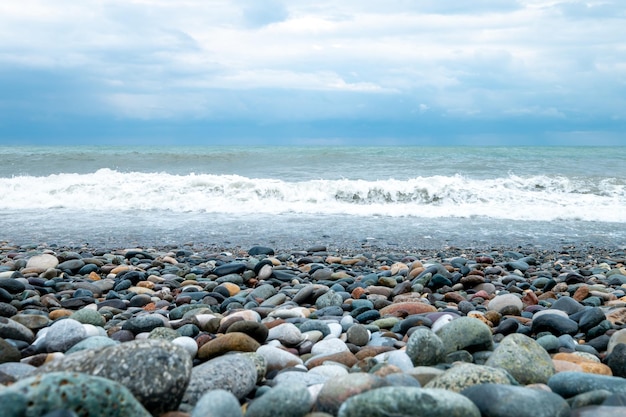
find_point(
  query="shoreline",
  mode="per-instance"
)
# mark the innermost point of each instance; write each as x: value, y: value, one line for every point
x: 338, y: 331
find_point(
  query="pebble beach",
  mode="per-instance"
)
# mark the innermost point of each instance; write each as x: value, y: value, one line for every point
x: 203, y: 331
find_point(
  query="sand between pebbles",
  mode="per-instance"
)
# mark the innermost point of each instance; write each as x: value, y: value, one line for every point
x: 201, y: 331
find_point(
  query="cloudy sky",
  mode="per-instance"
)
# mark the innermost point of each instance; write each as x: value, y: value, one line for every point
x: 313, y: 72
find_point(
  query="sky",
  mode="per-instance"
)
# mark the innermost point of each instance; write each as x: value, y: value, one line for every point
x: 349, y: 72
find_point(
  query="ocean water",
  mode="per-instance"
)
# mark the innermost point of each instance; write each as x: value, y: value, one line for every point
x: 290, y: 197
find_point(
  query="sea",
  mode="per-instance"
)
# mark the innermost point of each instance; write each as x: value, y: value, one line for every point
x: 392, y: 198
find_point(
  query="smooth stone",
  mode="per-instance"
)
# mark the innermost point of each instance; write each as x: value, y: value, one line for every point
x: 330, y: 371
x: 94, y: 342
x: 277, y: 358
x: 217, y: 403
x: 408, y: 402
x: 463, y: 375
x: 17, y: 370
x: 155, y: 371
x: 143, y: 324
x: 514, y: 401
x: 13, y: 286
x: 570, y: 384
x: 187, y: 343
x: 616, y: 360
x: 82, y: 393
x: 329, y: 347
x: 591, y: 318
x: 8, y: 352
x: 234, y: 373
x: 298, y: 377
x: 568, y: 305
x: 230, y: 342
x: 425, y: 348
x: 549, y: 342
x: 337, y: 390
x: 397, y: 358
x: 64, y: 334
x: 43, y: 262
x: 32, y: 321
x: 315, y: 325
x: 229, y: 268
x: 284, y: 400
x: 554, y: 324
x: 260, y: 250
x: 358, y: 335
x: 256, y: 330
x: 10, y: 329
x: 72, y: 265
x: 465, y: 333
x: 599, y: 411
x: 616, y: 338
x: 286, y: 333
x: 408, y: 308
x: 506, y: 304
x: 523, y: 358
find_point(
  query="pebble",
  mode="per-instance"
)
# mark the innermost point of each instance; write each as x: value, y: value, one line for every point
x: 523, y: 358
x: 78, y: 392
x: 155, y: 371
x: 323, y: 326
x: 515, y: 401
x: 235, y: 373
x: 408, y: 402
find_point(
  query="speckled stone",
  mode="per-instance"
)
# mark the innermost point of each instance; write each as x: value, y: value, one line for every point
x: 514, y: 401
x: 235, y: 373
x: 424, y: 347
x: 408, y: 402
x: 284, y: 400
x: 82, y: 393
x: 465, y: 375
x: 155, y: 371
x: 523, y: 358
x: 88, y: 316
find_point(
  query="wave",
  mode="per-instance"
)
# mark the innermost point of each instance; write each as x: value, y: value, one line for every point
x: 509, y: 197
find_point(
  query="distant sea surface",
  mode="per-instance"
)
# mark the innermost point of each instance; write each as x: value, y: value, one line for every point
x: 290, y: 197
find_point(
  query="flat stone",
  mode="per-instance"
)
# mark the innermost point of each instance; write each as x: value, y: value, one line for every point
x: 230, y: 342
x: 554, y: 324
x: 407, y: 308
x: 514, y: 401
x: 10, y: 329
x: 42, y: 262
x: 570, y: 384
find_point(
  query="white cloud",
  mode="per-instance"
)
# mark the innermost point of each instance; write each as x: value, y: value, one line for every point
x: 487, y: 58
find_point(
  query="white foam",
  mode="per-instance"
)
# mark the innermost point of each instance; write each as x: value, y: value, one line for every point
x: 508, y: 197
